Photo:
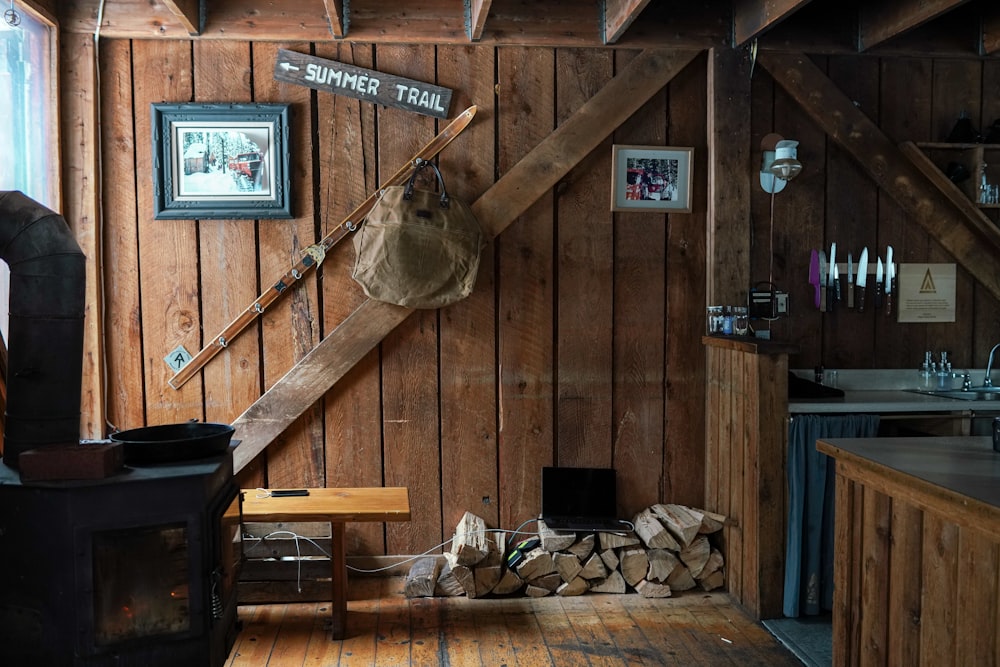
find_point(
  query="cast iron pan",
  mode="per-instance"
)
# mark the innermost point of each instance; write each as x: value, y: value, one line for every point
x: 169, y: 443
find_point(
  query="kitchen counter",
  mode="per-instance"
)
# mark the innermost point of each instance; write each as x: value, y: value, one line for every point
x: 884, y: 392
x: 917, y: 533
x: 882, y: 401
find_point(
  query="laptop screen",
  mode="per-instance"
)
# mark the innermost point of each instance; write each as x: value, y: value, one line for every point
x: 579, y: 492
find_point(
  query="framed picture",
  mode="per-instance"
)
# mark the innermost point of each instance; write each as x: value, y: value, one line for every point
x: 651, y: 178
x: 220, y: 161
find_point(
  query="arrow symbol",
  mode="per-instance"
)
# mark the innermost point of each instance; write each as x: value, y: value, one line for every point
x: 288, y: 66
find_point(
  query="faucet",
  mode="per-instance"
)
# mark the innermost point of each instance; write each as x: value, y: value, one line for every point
x: 987, y: 382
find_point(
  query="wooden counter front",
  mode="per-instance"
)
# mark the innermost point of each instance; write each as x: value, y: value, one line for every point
x: 917, y: 551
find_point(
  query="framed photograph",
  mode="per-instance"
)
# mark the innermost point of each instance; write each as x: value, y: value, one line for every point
x: 651, y: 178
x: 225, y: 161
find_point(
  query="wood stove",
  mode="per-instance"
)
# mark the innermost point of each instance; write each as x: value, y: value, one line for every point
x: 138, y: 569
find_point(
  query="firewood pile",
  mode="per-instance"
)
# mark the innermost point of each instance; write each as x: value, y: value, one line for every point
x: 670, y: 550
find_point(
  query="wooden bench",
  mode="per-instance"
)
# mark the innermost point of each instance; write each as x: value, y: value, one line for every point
x: 337, y: 506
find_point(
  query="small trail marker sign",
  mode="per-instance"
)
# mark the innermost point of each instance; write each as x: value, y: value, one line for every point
x: 363, y: 84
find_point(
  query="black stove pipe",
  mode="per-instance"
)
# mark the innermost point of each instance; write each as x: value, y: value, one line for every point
x: 45, y: 343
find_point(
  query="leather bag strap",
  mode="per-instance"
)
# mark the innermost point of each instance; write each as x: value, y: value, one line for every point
x: 408, y: 192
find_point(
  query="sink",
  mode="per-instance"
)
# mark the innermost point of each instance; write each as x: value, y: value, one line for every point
x: 974, y: 394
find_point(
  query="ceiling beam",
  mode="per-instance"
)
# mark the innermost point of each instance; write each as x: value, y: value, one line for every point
x: 337, y: 16
x: 974, y: 248
x: 534, y: 175
x: 477, y: 11
x: 618, y: 16
x: 752, y: 18
x: 188, y: 12
x: 880, y: 22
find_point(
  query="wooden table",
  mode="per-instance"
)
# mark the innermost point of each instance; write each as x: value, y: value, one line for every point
x: 337, y: 506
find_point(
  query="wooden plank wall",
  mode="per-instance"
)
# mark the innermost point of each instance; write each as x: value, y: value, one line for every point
x: 911, y: 99
x: 574, y: 348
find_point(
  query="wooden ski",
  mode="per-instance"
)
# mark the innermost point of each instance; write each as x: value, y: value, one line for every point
x: 316, y: 253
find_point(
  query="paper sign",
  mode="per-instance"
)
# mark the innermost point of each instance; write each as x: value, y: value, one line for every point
x: 926, y: 292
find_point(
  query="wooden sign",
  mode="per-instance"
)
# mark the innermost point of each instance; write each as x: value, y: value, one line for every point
x: 363, y: 84
x: 926, y: 292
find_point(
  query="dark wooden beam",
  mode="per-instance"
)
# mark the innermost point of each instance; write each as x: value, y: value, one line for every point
x: 478, y: 11
x: 619, y: 15
x: 752, y: 18
x: 536, y: 173
x: 882, y: 21
x: 337, y: 17
x: 188, y: 12
x: 730, y: 175
x: 885, y: 163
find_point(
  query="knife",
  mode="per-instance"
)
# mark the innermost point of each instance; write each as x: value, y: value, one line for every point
x: 831, y: 283
x: 888, y: 281
x: 814, y: 274
x: 836, y: 284
x: 878, y: 284
x: 850, y: 280
x: 862, y: 279
x: 823, y: 269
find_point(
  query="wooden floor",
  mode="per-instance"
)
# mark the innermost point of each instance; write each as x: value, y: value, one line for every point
x: 385, y: 628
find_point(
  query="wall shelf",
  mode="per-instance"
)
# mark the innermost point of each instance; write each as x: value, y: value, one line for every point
x: 970, y: 156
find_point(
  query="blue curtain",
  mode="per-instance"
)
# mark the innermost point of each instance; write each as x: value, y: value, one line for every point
x: 809, y: 546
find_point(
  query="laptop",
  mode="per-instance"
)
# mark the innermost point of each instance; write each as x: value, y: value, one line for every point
x: 580, y: 499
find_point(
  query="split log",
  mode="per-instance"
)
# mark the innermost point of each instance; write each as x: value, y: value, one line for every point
x: 496, y: 547
x: 462, y: 573
x: 486, y: 579
x: 422, y: 578
x: 555, y: 540
x: 712, y: 581
x: 536, y: 591
x: 682, y: 522
x: 680, y: 579
x: 653, y: 533
x: 583, y: 546
x: 550, y: 581
x: 613, y: 583
x: 509, y: 583
x: 567, y: 565
x: 615, y: 540
x: 447, y: 584
x: 711, y: 522
x: 537, y: 562
x: 610, y: 558
x: 695, y: 556
x: 651, y: 589
x: 714, y: 564
x: 578, y: 586
x: 634, y: 564
x: 594, y: 568
x: 662, y: 563
x: 470, y: 541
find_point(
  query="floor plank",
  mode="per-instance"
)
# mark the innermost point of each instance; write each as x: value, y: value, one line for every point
x: 385, y: 628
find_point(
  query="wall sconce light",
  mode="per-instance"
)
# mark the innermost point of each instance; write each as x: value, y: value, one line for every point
x: 779, y: 162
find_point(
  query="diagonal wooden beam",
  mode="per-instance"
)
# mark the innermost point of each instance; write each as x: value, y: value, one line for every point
x: 882, y: 21
x: 887, y: 165
x: 752, y: 18
x: 188, y: 12
x: 536, y: 173
x: 619, y: 15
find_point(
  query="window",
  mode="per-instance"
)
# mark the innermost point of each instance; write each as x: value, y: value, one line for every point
x: 29, y: 131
